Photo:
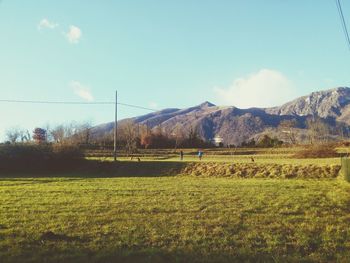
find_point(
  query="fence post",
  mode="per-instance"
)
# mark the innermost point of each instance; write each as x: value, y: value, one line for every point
x: 345, y: 171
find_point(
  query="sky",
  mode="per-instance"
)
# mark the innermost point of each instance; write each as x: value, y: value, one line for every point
x: 164, y: 54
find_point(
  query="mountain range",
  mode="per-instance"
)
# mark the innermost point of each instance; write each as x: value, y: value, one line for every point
x: 236, y: 125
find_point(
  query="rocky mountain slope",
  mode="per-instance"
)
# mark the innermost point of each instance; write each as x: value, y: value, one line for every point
x: 236, y: 125
x: 325, y: 104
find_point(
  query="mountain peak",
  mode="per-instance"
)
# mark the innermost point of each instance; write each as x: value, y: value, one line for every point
x: 325, y: 104
x: 341, y: 89
x: 207, y: 104
x: 337, y: 90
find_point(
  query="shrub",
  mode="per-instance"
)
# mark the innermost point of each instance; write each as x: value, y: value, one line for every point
x: 157, y: 141
x: 268, y: 142
x: 318, y: 151
x: 26, y: 157
x: 241, y: 170
x: 29, y: 152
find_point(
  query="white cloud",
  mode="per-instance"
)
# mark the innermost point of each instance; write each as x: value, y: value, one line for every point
x: 74, y: 34
x: 81, y: 90
x: 46, y: 24
x: 265, y: 88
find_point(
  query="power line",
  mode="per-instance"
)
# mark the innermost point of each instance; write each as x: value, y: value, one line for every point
x: 135, y: 106
x: 345, y: 29
x: 77, y: 103
x: 56, y: 102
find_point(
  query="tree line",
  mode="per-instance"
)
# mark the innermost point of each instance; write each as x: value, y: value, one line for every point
x: 71, y: 133
x: 132, y: 136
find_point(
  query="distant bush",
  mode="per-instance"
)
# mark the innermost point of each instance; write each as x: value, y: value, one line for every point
x: 251, y: 143
x: 264, y: 142
x: 344, y: 144
x: 157, y: 141
x: 318, y: 151
x: 268, y: 142
x: 10, y: 152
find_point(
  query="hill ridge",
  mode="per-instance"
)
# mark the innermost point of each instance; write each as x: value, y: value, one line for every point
x: 236, y: 125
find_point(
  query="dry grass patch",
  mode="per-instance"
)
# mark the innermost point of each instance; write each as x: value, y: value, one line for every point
x: 244, y: 170
x: 318, y: 151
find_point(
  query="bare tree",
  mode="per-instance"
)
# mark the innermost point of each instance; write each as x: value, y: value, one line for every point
x: 86, y: 132
x: 145, y: 135
x: 83, y: 133
x: 193, y: 135
x: 71, y: 133
x: 342, y: 130
x: 13, y: 134
x: 318, y: 130
x: 47, y: 128
x: 129, y: 132
x: 178, y: 135
x: 58, y: 133
x: 107, y: 139
x: 288, y: 129
x: 24, y: 135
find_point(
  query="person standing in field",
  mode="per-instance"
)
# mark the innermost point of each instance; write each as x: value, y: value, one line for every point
x: 181, y: 155
x: 200, y: 155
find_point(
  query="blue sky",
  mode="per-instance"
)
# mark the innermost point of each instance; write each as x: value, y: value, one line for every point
x: 163, y: 54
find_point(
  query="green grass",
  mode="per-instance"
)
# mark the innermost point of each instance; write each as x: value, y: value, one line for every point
x: 173, y: 219
x: 283, y: 155
x: 258, y: 158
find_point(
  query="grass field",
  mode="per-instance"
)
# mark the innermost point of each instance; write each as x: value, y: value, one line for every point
x: 260, y: 159
x: 278, y: 155
x: 74, y: 218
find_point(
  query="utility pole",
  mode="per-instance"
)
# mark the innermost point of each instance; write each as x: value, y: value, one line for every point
x: 115, y: 126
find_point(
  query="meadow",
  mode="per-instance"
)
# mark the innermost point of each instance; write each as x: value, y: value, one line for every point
x: 171, y: 211
x: 283, y: 155
x: 174, y: 219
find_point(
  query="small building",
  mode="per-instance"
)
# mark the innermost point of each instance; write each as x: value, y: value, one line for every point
x: 218, y: 141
